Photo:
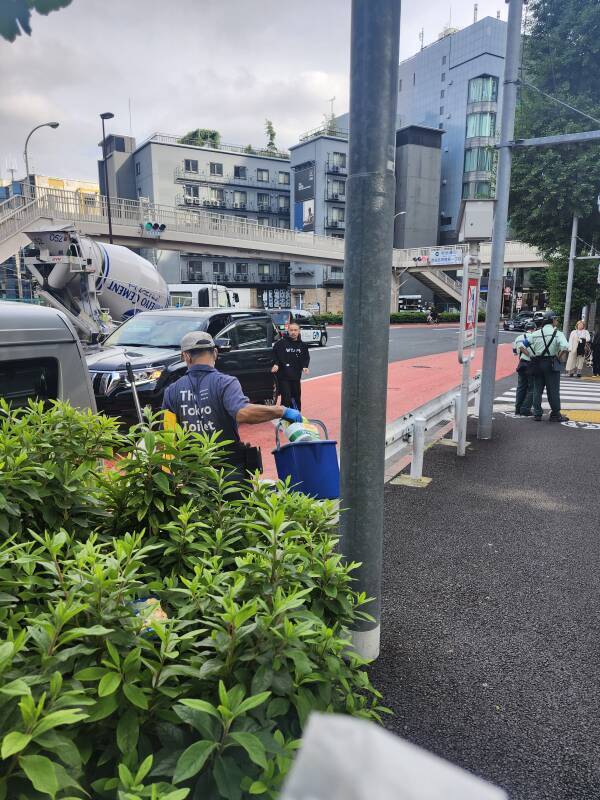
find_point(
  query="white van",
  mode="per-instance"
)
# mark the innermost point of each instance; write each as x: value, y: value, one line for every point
x: 201, y: 295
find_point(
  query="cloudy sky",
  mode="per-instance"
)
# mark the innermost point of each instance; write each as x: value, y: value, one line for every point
x: 183, y: 64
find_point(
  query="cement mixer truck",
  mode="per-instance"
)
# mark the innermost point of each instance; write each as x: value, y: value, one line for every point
x: 95, y: 284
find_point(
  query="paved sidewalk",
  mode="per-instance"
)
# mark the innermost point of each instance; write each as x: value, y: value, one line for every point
x: 491, y: 631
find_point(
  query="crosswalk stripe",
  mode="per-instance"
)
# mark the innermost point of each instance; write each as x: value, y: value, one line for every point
x: 573, y: 395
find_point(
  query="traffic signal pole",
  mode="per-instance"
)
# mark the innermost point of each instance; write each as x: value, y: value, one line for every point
x: 494, y: 302
x: 367, y: 284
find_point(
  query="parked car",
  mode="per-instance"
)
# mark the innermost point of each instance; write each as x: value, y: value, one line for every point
x: 311, y: 331
x: 41, y: 357
x: 150, y: 342
x: 517, y: 323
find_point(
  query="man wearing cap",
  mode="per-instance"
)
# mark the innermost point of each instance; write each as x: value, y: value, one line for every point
x: 521, y: 348
x: 546, y: 345
x: 208, y: 401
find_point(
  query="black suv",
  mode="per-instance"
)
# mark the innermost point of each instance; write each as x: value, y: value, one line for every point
x: 150, y: 342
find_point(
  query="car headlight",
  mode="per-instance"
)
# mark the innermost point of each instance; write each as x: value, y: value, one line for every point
x: 142, y: 376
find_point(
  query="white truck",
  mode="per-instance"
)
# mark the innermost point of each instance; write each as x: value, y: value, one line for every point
x: 204, y: 295
x: 94, y: 284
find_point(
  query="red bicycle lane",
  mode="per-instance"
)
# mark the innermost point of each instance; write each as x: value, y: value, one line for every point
x: 410, y: 384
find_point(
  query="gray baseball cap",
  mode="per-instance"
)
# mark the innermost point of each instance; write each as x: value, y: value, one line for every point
x: 197, y: 340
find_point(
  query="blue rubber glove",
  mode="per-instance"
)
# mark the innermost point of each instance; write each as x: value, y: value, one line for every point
x: 291, y: 415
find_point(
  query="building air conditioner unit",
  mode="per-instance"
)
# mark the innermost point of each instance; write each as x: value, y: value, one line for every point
x: 196, y: 201
x: 336, y: 196
x: 188, y: 200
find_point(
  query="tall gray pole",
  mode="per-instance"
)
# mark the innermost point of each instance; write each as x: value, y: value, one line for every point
x: 571, y: 273
x: 367, y: 285
x: 507, y: 128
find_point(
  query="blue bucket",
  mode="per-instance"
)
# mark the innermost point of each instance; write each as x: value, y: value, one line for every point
x: 312, y: 466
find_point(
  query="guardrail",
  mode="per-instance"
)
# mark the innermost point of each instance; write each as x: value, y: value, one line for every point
x: 409, y: 435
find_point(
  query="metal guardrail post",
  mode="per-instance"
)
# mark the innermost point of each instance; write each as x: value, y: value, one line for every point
x: 457, y: 418
x: 418, y: 447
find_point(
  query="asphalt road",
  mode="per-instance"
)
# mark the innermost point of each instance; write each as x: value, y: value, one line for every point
x: 490, y: 628
x: 405, y: 343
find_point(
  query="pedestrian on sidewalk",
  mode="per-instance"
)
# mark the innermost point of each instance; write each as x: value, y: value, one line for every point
x: 548, y: 344
x: 596, y: 353
x: 291, y: 363
x: 579, y: 342
x: 521, y: 348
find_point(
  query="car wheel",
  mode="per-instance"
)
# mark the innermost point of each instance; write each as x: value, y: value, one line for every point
x: 323, y: 340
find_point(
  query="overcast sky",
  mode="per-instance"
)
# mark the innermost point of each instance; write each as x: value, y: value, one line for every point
x: 183, y: 64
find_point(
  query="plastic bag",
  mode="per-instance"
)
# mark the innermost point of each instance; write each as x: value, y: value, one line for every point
x: 346, y: 758
x: 299, y: 431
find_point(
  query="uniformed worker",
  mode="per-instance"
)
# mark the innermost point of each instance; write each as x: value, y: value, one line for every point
x: 206, y: 400
x: 547, y: 344
x: 524, y: 397
x: 291, y: 362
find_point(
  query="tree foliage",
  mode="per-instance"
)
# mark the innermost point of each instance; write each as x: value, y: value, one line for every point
x: 15, y: 15
x: 550, y: 184
x: 270, y: 131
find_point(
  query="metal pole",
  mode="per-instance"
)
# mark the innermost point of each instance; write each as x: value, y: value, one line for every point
x: 571, y: 273
x: 507, y: 127
x: 110, y: 233
x: 367, y: 277
x: 418, y: 447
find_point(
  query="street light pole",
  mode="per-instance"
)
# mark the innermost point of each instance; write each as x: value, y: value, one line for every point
x: 495, y: 294
x: 31, y: 132
x: 104, y: 116
x: 367, y: 279
x: 570, y: 275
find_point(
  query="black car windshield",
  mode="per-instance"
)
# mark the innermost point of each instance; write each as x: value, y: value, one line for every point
x: 280, y: 317
x: 156, y: 330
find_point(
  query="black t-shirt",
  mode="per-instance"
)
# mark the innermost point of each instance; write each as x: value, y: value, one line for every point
x: 291, y: 357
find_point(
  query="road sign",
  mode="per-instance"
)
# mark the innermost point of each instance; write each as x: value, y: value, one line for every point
x: 519, y: 303
x: 445, y: 256
x: 469, y: 305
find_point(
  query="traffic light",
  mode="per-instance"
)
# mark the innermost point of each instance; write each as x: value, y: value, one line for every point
x: 155, y: 227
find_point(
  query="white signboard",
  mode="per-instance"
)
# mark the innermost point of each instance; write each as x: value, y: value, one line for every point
x: 469, y: 305
x: 446, y: 257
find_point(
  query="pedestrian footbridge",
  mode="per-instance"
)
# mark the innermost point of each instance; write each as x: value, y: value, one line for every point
x: 218, y: 234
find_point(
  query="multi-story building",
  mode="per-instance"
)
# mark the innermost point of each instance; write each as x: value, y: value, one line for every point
x: 203, y: 176
x: 455, y: 84
x: 319, y: 165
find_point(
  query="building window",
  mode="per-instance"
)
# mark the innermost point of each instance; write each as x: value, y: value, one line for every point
x: 444, y: 220
x: 262, y: 222
x: 465, y: 190
x: 441, y: 126
x: 337, y: 189
x: 441, y: 110
x: 219, y: 267
x: 482, y: 124
x: 399, y: 84
x: 119, y: 144
x: 195, y: 270
x: 190, y: 165
x: 284, y: 178
x: 215, y: 168
x: 443, y: 59
x: 339, y: 160
x: 217, y: 195
x: 478, y: 159
x: 191, y: 191
x: 482, y: 190
x: 283, y: 223
x: 240, y: 172
x: 138, y: 167
x: 484, y: 88
x: 442, y: 94
x: 264, y: 269
x: 443, y: 76
x: 337, y: 214
x: 239, y: 199
x: 241, y: 268
x: 262, y: 175
x: 263, y: 201
x: 283, y: 202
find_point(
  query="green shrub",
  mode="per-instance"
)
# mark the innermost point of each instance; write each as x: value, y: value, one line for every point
x: 172, y: 644
x: 329, y: 318
x: 404, y: 317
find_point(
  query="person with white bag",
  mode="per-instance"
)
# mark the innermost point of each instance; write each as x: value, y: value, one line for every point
x: 579, y: 343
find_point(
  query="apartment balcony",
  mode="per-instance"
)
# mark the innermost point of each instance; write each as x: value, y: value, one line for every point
x: 335, y: 224
x: 335, y: 197
x: 335, y: 169
x: 283, y: 211
x: 229, y: 179
x: 333, y: 276
x: 240, y: 277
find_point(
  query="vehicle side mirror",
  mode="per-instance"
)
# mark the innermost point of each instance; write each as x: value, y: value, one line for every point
x: 223, y: 345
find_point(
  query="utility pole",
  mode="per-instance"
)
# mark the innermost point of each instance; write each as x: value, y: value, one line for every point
x: 507, y: 128
x: 367, y: 278
x: 569, y: 292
